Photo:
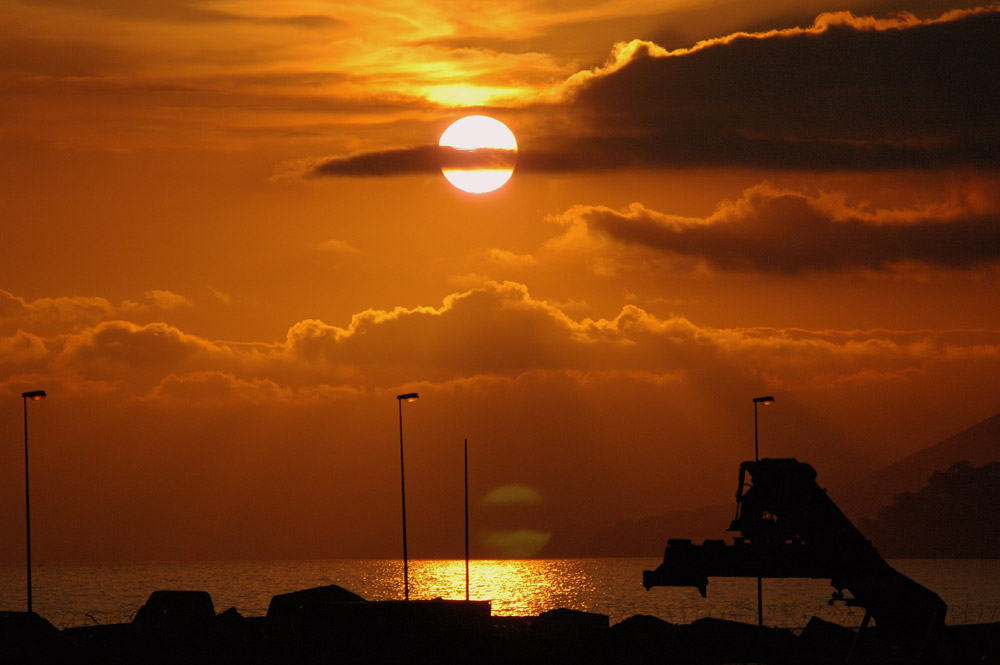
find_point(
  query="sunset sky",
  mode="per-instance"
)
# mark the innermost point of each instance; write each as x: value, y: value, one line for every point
x: 227, y: 246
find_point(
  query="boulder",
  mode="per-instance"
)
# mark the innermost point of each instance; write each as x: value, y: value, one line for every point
x: 570, y: 636
x: 175, y: 611
x: 293, y: 605
x: 26, y: 637
x: 825, y: 642
x: 572, y: 624
x: 641, y: 639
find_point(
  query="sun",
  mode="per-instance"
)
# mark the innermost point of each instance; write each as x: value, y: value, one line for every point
x: 478, y: 154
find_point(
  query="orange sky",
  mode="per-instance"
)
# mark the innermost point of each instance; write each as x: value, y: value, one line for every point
x: 227, y: 247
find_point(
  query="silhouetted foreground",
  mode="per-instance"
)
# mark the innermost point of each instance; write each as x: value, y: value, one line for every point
x: 332, y: 625
x: 789, y: 527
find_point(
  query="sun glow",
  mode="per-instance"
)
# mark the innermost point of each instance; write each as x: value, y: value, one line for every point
x: 471, y: 95
x: 482, y: 154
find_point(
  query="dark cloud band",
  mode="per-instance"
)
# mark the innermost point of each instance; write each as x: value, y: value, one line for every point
x: 845, y: 94
x: 787, y: 233
x: 841, y: 96
x: 415, y: 160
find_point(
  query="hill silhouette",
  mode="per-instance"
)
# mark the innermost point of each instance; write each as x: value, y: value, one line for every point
x: 977, y: 445
x: 860, y: 500
x: 648, y: 536
x: 957, y: 506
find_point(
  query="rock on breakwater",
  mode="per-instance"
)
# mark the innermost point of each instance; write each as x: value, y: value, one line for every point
x: 333, y: 625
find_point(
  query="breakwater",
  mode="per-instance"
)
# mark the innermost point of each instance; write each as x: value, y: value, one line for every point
x: 330, y: 624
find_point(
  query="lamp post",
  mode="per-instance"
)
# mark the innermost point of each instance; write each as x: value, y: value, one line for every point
x: 768, y: 399
x: 466, y: 448
x: 758, y: 400
x: 33, y: 395
x: 407, y: 397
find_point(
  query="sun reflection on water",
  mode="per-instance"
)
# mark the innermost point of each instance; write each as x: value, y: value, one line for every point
x: 79, y: 594
x: 515, y: 587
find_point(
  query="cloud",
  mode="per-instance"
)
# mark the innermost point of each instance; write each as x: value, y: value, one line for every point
x: 222, y: 296
x: 469, y: 280
x: 340, y: 247
x: 413, y: 160
x: 59, y: 59
x: 848, y: 92
x: 43, y: 313
x: 845, y: 93
x: 493, y: 330
x: 187, y: 11
x: 215, y: 388
x: 23, y: 351
x: 597, y: 414
x: 138, y: 357
x: 158, y: 300
x: 396, y: 161
x: 63, y: 313
x: 441, y: 341
x: 776, y: 231
x: 507, y: 259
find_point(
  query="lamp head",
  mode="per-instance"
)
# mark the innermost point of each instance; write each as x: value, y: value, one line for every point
x: 409, y: 397
x: 764, y: 400
x: 34, y: 394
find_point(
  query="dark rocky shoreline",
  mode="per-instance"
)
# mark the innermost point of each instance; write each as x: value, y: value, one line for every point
x: 332, y: 625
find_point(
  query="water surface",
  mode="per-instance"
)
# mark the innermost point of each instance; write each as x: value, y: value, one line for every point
x: 77, y: 594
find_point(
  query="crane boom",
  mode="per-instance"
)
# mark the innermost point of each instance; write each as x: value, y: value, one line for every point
x: 789, y: 527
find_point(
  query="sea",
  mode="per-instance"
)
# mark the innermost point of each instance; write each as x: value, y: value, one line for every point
x: 86, y: 594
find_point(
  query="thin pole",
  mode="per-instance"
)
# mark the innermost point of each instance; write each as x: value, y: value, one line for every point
x: 402, y: 481
x: 760, y: 604
x: 760, y: 585
x: 27, y: 498
x: 466, y: 519
x: 756, y: 455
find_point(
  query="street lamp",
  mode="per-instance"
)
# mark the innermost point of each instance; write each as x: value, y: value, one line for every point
x: 768, y: 399
x: 408, y: 397
x: 758, y: 400
x: 34, y: 396
x: 466, y: 448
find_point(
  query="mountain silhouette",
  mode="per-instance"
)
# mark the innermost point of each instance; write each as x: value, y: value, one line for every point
x: 978, y: 445
x: 647, y: 536
x: 860, y: 500
x: 957, y: 506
